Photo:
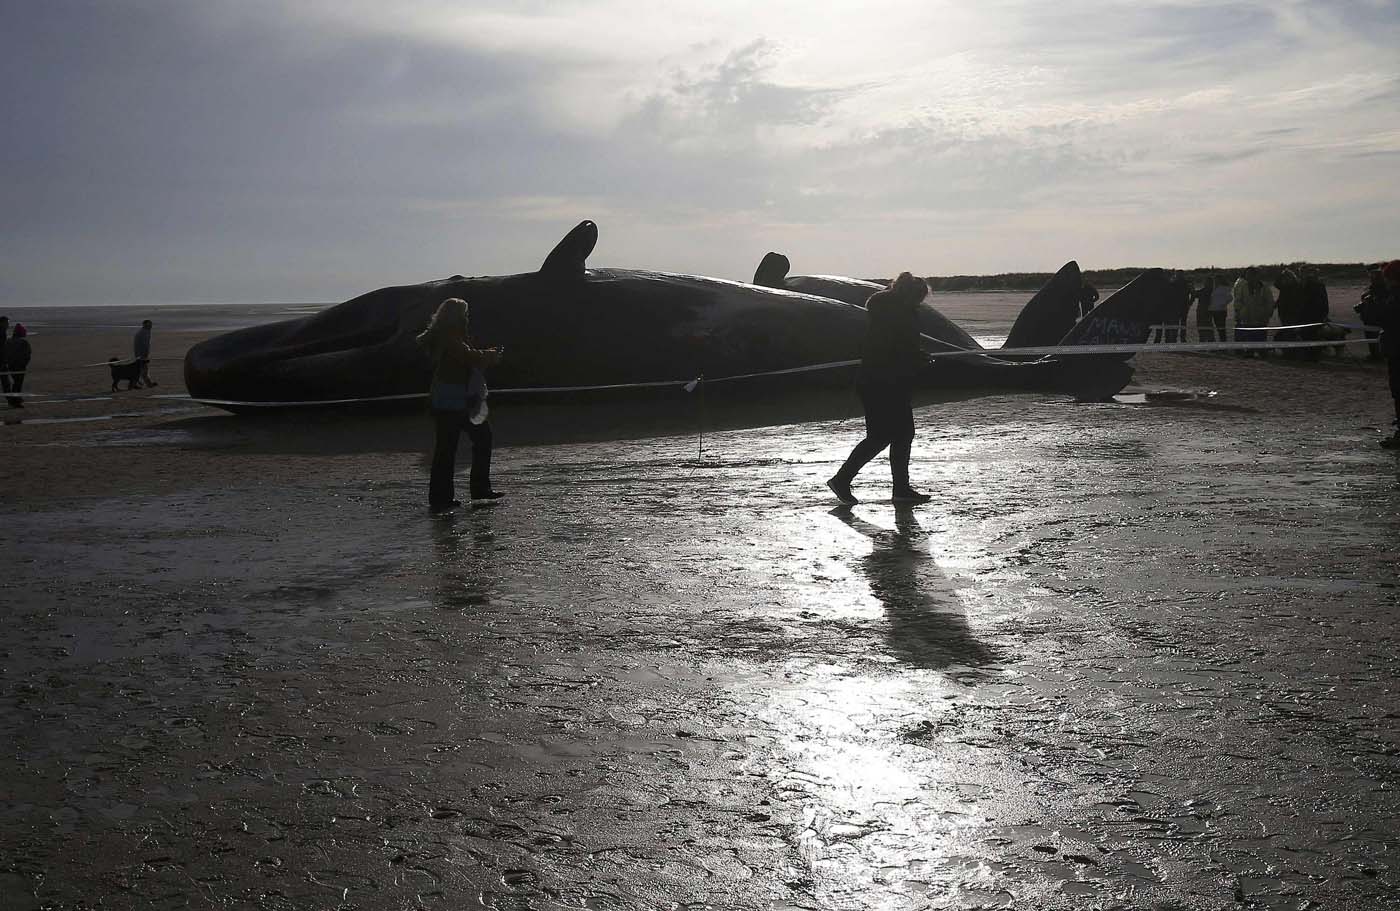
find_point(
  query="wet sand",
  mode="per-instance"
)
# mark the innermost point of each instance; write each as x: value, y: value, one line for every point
x: 1133, y: 655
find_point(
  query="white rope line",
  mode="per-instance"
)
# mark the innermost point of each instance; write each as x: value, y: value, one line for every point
x: 690, y: 384
x: 1158, y: 348
x: 1273, y: 328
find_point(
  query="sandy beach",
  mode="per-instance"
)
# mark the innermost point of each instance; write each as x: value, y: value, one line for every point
x: 1137, y: 654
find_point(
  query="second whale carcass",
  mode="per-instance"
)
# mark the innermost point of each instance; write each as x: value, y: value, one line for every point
x: 1049, y: 319
x: 567, y: 329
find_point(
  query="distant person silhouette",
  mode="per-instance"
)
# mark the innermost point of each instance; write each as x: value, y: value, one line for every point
x: 889, y: 364
x: 1290, y: 307
x: 1316, y: 310
x: 458, y: 404
x: 17, y: 353
x: 1220, y: 297
x: 1390, y: 341
x: 1088, y: 297
x: 1172, y: 315
x: 1371, y: 307
x: 1205, y: 332
x: 141, y: 350
x: 1254, y: 304
x: 4, y: 364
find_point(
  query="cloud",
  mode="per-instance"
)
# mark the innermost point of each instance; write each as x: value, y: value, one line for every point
x: 273, y: 149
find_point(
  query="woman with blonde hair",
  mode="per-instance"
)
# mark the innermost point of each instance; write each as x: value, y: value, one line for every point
x: 457, y: 403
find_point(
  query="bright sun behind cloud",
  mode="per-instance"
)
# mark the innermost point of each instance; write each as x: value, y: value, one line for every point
x: 263, y: 149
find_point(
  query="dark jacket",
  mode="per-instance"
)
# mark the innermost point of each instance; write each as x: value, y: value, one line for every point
x: 453, y: 362
x: 17, y: 353
x: 1316, y: 308
x: 892, y: 354
x: 1290, y: 300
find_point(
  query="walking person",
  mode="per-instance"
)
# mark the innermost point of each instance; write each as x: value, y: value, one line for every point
x: 889, y: 364
x: 458, y: 404
x: 141, y: 350
x: 1254, y: 305
x: 17, y: 352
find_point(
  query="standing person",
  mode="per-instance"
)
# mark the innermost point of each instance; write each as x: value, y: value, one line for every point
x: 1290, y: 306
x: 1317, y: 310
x: 4, y: 365
x: 458, y: 404
x: 1088, y: 296
x: 889, y: 363
x: 1390, y: 341
x: 1168, y: 316
x: 1202, y: 296
x: 1254, y: 304
x: 141, y: 350
x: 17, y: 353
x: 1372, y: 306
x: 1185, y: 294
x: 1220, y: 298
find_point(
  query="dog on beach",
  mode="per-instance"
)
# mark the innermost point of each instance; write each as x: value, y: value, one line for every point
x: 131, y: 372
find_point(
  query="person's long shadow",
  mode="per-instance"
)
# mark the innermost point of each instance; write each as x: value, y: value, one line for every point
x: 926, y: 625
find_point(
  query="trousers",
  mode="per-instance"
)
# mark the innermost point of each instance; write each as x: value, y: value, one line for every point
x: 448, y: 428
x: 889, y: 421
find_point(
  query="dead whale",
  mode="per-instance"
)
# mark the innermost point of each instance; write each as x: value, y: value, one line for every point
x: 1046, y: 319
x: 566, y: 328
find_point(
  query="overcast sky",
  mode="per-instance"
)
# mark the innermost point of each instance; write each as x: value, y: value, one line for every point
x: 250, y: 150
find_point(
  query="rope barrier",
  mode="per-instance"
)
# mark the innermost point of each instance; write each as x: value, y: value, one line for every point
x: 1159, y: 348
x: 1040, y: 351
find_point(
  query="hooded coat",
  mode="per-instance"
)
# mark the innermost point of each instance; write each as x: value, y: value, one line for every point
x: 1253, y: 307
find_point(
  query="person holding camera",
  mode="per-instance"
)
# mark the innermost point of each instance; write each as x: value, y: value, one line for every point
x: 458, y: 404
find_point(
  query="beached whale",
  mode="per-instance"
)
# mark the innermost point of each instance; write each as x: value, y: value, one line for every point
x: 567, y: 328
x: 1046, y: 319
x: 773, y: 270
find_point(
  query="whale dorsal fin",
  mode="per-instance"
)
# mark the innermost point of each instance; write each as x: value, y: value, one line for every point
x: 569, y: 257
x: 772, y: 270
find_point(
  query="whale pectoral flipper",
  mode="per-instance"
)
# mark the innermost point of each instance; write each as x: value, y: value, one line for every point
x: 569, y: 257
x: 772, y: 270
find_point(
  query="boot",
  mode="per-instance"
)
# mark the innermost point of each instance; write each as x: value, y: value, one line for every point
x: 842, y: 488
x: 907, y: 494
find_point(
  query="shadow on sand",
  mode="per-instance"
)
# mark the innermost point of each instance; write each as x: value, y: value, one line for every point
x: 926, y: 625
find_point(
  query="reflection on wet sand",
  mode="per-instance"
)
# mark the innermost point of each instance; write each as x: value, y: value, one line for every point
x: 927, y: 627
x: 465, y: 571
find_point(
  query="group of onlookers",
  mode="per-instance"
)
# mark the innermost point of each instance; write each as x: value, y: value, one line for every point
x: 1299, y: 297
x: 15, y: 353
x: 14, y: 360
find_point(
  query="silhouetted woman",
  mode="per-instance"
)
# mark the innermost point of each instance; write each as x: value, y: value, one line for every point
x: 890, y: 362
x: 458, y: 403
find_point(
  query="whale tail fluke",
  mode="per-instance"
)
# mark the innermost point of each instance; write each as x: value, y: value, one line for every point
x: 772, y: 271
x: 1051, y: 313
x: 569, y: 258
x: 1128, y: 314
